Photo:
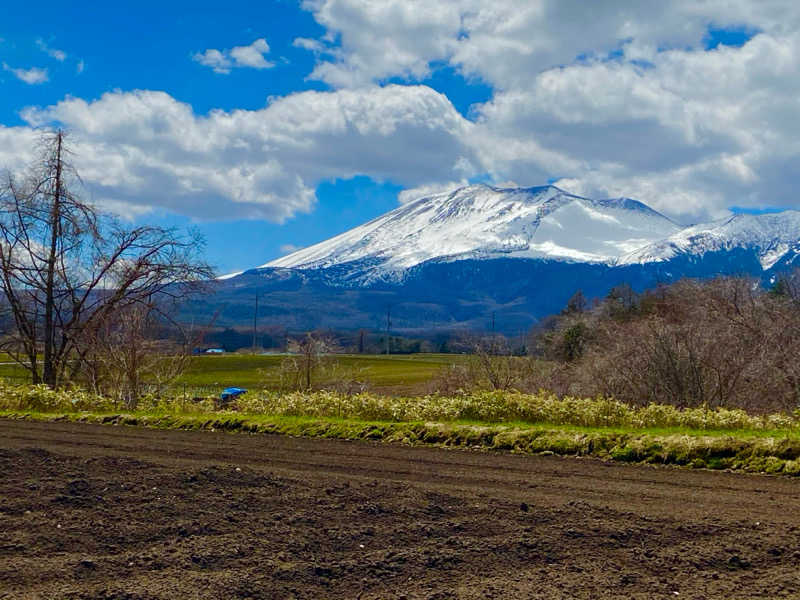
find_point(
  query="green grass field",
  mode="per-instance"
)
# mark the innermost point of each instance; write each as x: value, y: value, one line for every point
x: 400, y: 373
x: 8, y: 368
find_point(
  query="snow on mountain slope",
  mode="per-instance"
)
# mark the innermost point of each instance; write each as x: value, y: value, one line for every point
x: 772, y: 236
x: 480, y: 221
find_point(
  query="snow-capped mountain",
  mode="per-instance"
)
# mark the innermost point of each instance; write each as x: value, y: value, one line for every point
x: 449, y: 261
x: 480, y: 221
x: 773, y: 238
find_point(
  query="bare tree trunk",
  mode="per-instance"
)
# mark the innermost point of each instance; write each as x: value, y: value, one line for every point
x: 49, y: 371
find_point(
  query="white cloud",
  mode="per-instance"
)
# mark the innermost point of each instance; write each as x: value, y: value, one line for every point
x: 17, y: 147
x: 616, y: 98
x: 214, y: 59
x: 222, y: 61
x: 502, y: 42
x: 252, y: 55
x: 289, y: 248
x: 692, y: 134
x: 309, y: 44
x: 32, y: 76
x: 79, y: 68
x: 146, y: 150
x: 59, y: 55
x: 382, y: 39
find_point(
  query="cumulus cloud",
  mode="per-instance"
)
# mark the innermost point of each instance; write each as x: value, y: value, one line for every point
x: 309, y: 44
x: 17, y: 146
x: 610, y: 98
x: 504, y: 42
x: 382, y: 39
x: 615, y: 98
x: 691, y: 134
x: 32, y: 76
x: 144, y: 149
x: 222, y: 61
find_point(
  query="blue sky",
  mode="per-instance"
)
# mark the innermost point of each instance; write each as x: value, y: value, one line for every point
x: 277, y: 124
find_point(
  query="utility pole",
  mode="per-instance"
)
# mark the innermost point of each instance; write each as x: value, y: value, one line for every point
x: 255, y: 324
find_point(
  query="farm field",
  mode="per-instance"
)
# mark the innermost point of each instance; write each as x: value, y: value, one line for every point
x: 381, y: 371
x: 208, y: 374
x: 116, y: 512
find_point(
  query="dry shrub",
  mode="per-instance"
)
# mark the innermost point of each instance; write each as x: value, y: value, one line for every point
x: 310, y: 356
x: 496, y: 406
x: 495, y: 373
x: 723, y: 343
x: 491, y: 366
x: 41, y: 398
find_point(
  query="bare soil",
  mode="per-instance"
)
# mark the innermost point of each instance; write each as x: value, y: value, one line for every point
x: 130, y: 513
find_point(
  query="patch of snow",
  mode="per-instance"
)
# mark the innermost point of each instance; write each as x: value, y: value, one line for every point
x: 772, y: 236
x: 484, y: 221
x: 229, y: 276
x: 769, y: 258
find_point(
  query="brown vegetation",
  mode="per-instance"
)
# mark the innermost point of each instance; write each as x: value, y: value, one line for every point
x: 720, y: 343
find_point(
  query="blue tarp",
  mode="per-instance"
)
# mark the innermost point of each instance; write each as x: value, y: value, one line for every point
x: 231, y: 392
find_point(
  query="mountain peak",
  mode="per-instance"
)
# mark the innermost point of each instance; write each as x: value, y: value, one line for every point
x: 483, y: 221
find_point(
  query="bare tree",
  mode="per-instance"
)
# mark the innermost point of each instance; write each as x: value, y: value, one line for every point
x: 309, y: 353
x: 490, y: 365
x: 788, y: 285
x: 130, y: 355
x: 67, y: 268
x: 577, y: 304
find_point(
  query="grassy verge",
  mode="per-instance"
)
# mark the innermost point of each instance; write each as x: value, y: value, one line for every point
x: 759, y: 451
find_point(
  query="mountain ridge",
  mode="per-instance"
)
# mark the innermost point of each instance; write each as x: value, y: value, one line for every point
x: 485, y: 221
x: 772, y: 235
x: 448, y: 261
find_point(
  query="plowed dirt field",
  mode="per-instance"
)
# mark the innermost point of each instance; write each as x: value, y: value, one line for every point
x: 128, y: 513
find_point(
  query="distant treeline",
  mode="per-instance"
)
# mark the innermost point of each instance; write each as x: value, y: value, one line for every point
x: 276, y: 339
